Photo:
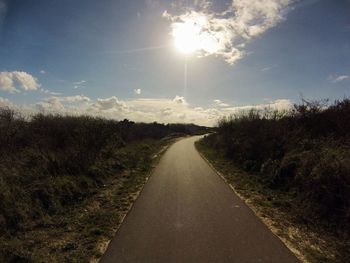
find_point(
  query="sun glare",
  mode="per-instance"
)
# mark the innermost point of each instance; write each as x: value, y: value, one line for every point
x: 190, y: 36
x: 186, y: 37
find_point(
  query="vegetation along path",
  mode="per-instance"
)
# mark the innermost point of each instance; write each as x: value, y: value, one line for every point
x: 186, y: 213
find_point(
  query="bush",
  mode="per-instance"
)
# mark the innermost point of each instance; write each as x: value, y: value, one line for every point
x: 305, y: 151
x: 51, y: 162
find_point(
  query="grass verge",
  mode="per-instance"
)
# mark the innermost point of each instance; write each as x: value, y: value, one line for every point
x: 80, y: 233
x: 310, y: 243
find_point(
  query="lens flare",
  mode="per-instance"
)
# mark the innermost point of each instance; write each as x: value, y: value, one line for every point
x: 191, y: 36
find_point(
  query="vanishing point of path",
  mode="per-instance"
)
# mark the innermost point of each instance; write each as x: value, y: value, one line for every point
x: 187, y: 213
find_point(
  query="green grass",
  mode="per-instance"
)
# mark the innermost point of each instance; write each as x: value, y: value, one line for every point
x: 279, y: 210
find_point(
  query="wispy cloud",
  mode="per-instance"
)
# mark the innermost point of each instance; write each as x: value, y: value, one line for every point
x: 79, y: 84
x: 338, y: 78
x: 268, y: 68
x: 226, y: 34
x: 15, y: 80
x: 46, y: 91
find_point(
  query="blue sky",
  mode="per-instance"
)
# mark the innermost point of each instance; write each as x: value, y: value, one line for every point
x: 117, y: 58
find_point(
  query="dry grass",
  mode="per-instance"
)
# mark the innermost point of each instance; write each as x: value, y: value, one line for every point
x: 81, y: 233
x: 67, y: 181
x: 310, y: 243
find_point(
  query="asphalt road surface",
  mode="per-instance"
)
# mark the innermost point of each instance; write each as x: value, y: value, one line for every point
x: 187, y: 213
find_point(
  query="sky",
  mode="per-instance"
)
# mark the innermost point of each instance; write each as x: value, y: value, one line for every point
x: 191, y: 61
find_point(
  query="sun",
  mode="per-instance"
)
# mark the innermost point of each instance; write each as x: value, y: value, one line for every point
x: 192, y: 36
x: 186, y: 37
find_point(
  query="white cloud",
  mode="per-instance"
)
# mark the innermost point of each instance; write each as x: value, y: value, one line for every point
x: 111, y: 103
x: 179, y: 100
x: 6, y: 82
x: 280, y: 104
x: 166, y: 112
x: 338, y: 78
x: 25, y: 80
x: 53, y: 104
x: 162, y: 110
x: 182, y: 116
x: 42, y: 72
x: 15, y: 80
x: 220, y: 103
x: 64, y: 105
x: 225, y: 34
x: 137, y: 91
x: 76, y: 98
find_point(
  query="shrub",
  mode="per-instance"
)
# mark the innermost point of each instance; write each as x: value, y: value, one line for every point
x: 51, y: 162
x: 304, y: 150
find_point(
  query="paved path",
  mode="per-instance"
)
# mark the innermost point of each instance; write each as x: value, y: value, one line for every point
x: 186, y: 213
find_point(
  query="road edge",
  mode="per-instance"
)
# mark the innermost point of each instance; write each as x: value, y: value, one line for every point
x: 266, y: 222
x: 158, y: 156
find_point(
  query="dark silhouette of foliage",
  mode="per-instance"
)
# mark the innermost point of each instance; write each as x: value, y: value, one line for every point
x: 50, y: 162
x: 305, y: 151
